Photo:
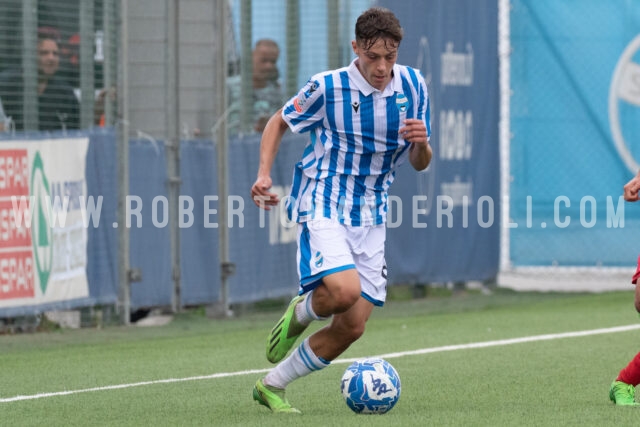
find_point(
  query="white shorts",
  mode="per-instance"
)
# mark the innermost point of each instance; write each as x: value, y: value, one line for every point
x: 325, y: 246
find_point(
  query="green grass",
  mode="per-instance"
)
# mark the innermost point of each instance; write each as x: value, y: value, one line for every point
x: 557, y: 382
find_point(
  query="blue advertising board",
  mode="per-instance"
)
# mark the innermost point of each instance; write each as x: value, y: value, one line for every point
x: 451, y: 212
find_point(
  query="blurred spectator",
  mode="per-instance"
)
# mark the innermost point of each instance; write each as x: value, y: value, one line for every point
x: 69, y: 72
x: 70, y: 61
x: 267, y: 92
x: 11, y: 26
x: 58, y: 107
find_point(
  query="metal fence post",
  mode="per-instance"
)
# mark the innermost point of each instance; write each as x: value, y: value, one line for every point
x: 221, y: 308
x: 333, y: 33
x: 124, y: 289
x: 30, y: 64
x: 293, y: 46
x: 173, y: 143
x: 108, y: 64
x: 246, y: 69
x: 87, y: 88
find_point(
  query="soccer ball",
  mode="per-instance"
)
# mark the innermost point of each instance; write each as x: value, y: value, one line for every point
x: 370, y: 386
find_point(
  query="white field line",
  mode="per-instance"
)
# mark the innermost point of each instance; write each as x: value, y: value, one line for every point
x: 483, y: 344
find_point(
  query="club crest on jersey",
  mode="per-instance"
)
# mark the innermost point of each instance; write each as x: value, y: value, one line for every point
x: 402, y: 102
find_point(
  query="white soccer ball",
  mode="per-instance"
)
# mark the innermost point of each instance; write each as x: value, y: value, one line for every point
x: 370, y: 386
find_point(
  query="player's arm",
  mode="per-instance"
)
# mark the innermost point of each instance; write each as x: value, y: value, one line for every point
x: 631, y: 189
x: 414, y: 131
x: 269, y: 144
x: 417, y: 130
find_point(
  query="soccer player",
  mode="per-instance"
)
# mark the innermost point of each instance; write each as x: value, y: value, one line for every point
x: 623, y: 389
x: 363, y: 121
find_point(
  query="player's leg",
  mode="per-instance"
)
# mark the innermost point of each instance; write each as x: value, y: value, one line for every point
x: 313, y: 354
x: 323, y: 251
x: 623, y: 389
x: 344, y: 329
x: 318, y: 350
x: 367, y: 246
x: 339, y: 294
x: 317, y: 304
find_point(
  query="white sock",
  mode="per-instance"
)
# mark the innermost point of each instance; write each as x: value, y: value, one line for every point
x: 299, y: 363
x: 304, y: 311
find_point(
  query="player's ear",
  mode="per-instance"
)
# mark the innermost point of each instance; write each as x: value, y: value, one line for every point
x: 354, y: 46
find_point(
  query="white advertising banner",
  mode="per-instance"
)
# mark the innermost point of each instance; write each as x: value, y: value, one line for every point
x: 43, y: 237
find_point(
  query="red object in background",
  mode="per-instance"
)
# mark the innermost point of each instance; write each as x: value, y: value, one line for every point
x: 71, y: 49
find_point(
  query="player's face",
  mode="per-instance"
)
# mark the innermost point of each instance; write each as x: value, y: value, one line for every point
x: 48, y: 57
x: 376, y: 63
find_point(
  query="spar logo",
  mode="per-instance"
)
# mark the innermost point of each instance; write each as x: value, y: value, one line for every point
x: 41, y: 232
x: 624, y: 100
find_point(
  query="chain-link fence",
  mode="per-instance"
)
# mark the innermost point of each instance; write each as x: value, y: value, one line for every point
x: 276, y: 46
x: 58, y: 64
x: 180, y: 79
x: 567, y: 137
x: 60, y: 61
x: 170, y: 77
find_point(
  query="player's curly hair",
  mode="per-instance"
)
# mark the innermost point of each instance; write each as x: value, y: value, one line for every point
x: 376, y: 23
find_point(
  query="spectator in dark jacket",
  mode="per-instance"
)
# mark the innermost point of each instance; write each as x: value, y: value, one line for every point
x: 58, y: 107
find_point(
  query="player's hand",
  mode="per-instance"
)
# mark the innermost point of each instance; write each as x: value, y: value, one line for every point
x: 631, y: 189
x: 414, y: 131
x: 261, y: 195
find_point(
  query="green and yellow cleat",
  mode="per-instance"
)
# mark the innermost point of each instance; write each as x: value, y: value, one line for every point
x: 285, y: 333
x: 623, y: 394
x: 273, y: 398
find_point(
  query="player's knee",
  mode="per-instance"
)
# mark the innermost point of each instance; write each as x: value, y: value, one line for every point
x: 349, y: 333
x: 356, y: 332
x: 345, y: 298
x: 342, y: 289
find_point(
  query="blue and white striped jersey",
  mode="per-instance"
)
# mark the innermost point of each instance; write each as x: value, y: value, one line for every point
x: 354, y: 145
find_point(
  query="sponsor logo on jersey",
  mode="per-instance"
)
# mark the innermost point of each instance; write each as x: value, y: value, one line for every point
x: 305, y: 94
x: 299, y: 102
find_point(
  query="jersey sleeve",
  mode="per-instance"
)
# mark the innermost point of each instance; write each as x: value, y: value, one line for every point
x: 306, y: 110
x: 424, y: 105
